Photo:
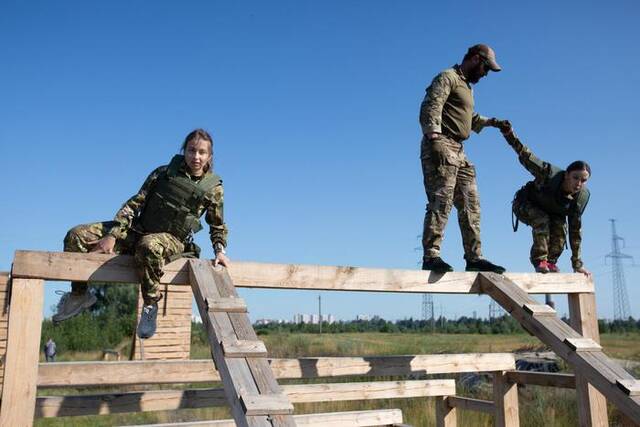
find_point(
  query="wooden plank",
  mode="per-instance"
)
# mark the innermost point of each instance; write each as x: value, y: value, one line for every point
x: 120, y: 269
x: 582, y: 344
x: 335, y: 392
x: 266, y: 404
x: 446, y: 415
x: 228, y: 305
x: 539, y: 309
x: 631, y: 387
x: 235, y: 373
x: 552, y: 331
x: 243, y: 348
x: 468, y: 404
x: 592, y: 404
x: 85, y: 374
x: 21, y: 363
x: 370, y: 418
x: 543, y: 379
x: 505, y: 401
x: 258, y: 366
x: 161, y: 400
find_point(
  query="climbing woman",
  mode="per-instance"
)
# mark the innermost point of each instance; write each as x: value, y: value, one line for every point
x: 156, y: 225
x: 554, y: 198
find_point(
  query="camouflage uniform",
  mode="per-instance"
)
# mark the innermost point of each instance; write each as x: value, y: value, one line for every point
x: 543, y: 206
x: 449, y: 177
x: 150, y: 251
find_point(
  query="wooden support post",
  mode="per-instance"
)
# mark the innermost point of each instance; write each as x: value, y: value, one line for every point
x: 505, y: 398
x: 23, y: 352
x: 445, y: 414
x: 592, y: 405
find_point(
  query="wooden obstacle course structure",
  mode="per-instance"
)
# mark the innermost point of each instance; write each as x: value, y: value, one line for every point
x: 597, y: 375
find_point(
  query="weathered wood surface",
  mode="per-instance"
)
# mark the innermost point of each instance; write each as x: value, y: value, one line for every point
x: 110, y: 403
x: 21, y: 367
x: 505, y: 401
x: 4, y: 321
x: 235, y: 373
x: 83, y: 374
x: 543, y: 379
x: 371, y: 418
x: 172, y: 340
x: 446, y: 414
x: 593, y: 366
x: 592, y: 405
x: 119, y: 268
x: 468, y: 404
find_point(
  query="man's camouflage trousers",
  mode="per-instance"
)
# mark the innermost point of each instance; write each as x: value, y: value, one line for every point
x: 549, y: 232
x: 449, y: 180
x: 150, y: 252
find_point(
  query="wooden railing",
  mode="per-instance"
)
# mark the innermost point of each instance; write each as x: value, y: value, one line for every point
x: 23, y: 375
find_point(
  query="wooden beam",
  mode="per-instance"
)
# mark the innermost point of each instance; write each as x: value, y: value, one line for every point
x: 631, y: 387
x: 227, y: 305
x: 592, y: 404
x: 446, y: 415
x: 377, y: 417
x: 243, y: 348
x: 21, y: 365
x: 235, y: 373
x: 160, y: 400
x: 468, y: 404
x: 505, y: 400
x: 86, y: 374
x: 595, y: 367
x: 119, y: 268
x: 269, y: 404
x: 543, y: 379
x: 583, y: 344
x: 540, y: 309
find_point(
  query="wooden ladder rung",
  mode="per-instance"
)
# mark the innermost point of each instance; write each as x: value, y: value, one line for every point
x: 266, y: 404
x: 226, y: 305
x: 630, y: 387
x: 539, y: 309
x: 582, y: 344
x: 243, y: 348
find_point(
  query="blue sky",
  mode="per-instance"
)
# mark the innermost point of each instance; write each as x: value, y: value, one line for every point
x: 313, y: 107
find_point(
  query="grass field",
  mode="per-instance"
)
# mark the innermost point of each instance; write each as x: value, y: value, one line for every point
x: 538, y: 405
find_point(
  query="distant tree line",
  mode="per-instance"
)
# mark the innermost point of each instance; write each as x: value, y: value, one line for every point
x: 464, y: 325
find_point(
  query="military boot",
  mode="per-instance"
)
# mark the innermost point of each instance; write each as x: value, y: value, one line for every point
x: 436, y: 264
x: 484, y: 265
x: 542, y: 267
x: 148, y: 318
x: 71, y: 305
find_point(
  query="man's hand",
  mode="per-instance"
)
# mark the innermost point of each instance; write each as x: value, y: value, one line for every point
x: 221, y: 259
x: 104, y: 245
x: 583, y: 271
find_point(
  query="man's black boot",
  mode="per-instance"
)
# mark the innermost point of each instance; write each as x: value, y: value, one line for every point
x: 484, y: 265
x: 436, y: 264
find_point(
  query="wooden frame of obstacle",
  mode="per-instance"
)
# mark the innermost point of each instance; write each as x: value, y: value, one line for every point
x: 597, y: 376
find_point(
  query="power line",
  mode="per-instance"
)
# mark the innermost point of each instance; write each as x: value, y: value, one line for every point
x: 621, y: 310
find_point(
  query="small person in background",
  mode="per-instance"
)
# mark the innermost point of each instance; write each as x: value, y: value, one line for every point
x: 50, y: 350
x: 554, y: 198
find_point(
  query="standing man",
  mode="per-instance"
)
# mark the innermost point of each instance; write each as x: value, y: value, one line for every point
x: 50, y: 350
x: 447, y: 118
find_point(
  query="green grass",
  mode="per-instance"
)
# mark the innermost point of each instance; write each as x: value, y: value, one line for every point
x: 538, y: 405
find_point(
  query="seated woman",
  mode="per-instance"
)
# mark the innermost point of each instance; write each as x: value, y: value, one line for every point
x: 547, y: 203
x: 156, y: 225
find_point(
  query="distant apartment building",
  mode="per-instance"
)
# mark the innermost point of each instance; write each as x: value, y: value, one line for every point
x: 313, y: 319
